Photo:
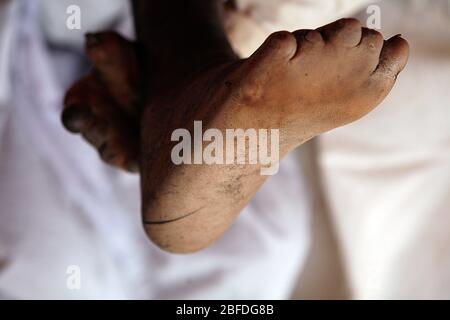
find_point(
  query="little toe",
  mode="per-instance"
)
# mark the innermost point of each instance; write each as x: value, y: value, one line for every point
x: 344, y: 32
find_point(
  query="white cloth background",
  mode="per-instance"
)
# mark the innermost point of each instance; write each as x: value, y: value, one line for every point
x: 60, y: 206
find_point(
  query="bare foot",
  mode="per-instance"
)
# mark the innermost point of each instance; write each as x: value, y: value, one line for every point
x: 104, y: 107
x: 303, y: 83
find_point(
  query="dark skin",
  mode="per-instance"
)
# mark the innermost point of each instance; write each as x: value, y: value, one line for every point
x: 302, y: 83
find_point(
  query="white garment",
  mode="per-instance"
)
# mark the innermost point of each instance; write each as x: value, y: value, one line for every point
x: 387, y: 176
x: 60, y: 206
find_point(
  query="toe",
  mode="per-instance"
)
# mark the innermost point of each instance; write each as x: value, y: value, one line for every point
x: 280, y: 45
x: 76, y: 117
x: 345, y: 32
x: 314, y: 36
x: 106, y: 153
x: 393, y: 58
x: 77, y: 113
x: 371, y: 44
x: 121, y: 150
x: 115, y: 60
x: 371, y: 39
x: 96, y: 132
x: 307, y: 40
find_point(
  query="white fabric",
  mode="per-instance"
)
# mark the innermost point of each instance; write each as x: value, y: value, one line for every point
x: 254, y: 20
x: 60, y: 206
x: 291, y: 15
x: 387, y: 177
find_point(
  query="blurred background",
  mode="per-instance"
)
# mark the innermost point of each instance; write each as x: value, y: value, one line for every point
x: 361, y: 212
